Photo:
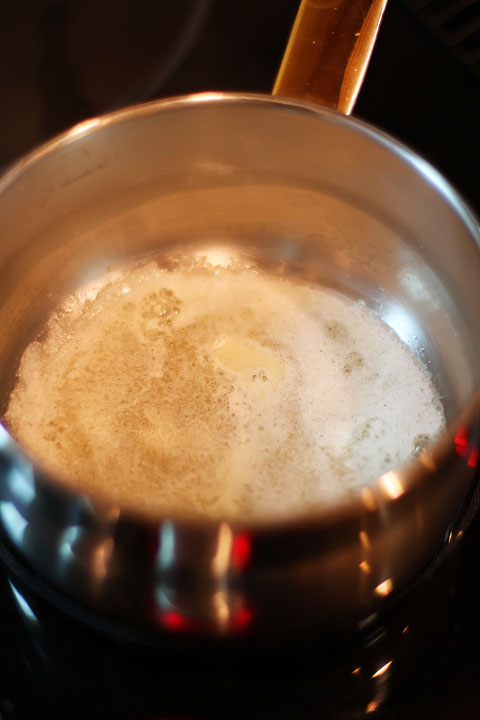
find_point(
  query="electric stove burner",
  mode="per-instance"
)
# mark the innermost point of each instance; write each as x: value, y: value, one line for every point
x: 68, y: 664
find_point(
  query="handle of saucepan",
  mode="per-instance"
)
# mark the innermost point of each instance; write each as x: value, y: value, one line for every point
x: 328, y: 51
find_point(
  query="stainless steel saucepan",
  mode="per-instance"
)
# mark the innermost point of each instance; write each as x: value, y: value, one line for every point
x: 296, y: 187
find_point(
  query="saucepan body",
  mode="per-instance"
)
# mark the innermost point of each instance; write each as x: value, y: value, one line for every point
x: 296, y: 190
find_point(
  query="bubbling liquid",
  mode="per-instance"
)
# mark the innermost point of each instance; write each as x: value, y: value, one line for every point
x: 221, y: 392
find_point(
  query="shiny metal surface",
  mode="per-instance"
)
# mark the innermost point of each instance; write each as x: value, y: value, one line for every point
x: 328, y: 51
x: 339, y: 204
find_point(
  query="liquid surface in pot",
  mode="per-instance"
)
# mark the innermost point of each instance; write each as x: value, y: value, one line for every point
x: 220, y: 391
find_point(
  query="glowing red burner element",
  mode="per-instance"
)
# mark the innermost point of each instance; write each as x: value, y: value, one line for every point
x: 473, y: 458
x: 461, y: 441
x: 242, y: 619
x: 241, y: 550
x: 174, y: 621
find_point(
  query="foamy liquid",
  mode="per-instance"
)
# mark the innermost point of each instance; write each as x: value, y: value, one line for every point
x: 226, y: 393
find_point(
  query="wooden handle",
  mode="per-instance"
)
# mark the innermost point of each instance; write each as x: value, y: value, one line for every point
x: 328, y: 51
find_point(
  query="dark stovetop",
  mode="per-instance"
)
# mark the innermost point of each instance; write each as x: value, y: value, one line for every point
x: 415, y: 89
x: 63, y: 667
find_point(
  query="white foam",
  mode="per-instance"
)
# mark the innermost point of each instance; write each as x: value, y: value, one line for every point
x: 229, y: 393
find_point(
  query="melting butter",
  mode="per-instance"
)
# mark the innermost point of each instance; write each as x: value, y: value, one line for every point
x: 227, y: 393
x: 246, y: 357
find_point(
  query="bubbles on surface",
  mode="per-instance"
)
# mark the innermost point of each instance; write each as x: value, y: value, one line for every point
x: 353, y: 361
x: 421, y: 442
x: 220, y: 391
